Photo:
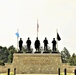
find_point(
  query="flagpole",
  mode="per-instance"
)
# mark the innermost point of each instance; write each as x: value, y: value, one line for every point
x: 17, y: 40
x: 17, y: 44
x: 56, y: 38
x: 37, y: 33
x: 37, y: 27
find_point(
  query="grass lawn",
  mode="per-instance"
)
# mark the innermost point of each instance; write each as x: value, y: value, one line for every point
x: 11, y: 73
x: 67, y: 73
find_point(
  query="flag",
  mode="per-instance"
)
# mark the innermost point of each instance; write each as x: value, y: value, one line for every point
x: 17, y: 34
x: 37, y: 26
x: 58, y: 37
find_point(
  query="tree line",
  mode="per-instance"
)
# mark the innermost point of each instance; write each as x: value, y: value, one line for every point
x: 6, y: 55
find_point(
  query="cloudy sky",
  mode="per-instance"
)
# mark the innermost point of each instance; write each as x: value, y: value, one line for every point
x: 51, y: 15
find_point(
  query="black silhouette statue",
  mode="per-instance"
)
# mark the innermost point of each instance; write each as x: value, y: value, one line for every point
x: 28, y: 42
x: 20, y: 44
x: 45, y: 44
x: 54, y: 45
x: 37, y: 45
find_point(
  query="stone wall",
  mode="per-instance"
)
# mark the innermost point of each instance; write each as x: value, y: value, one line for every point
x: 37, y: 63
x: 46, y: 63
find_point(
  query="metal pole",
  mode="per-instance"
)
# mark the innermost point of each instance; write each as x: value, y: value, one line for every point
x: 37, y: 27
x: 59, y: 71
x: 75, y: 72
x: 14, y: 71
x: 8, y: 71
x: 37, y: 33
x: 64, y: 71
x: 17, y: 40
x: 56, y: 38
x: 17, y: 44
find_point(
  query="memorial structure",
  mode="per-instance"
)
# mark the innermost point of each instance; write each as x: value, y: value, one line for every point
x: 38, y: 63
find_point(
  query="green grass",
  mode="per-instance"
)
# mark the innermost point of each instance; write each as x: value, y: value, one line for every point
x: 11, y: 73
x: 67, y: 73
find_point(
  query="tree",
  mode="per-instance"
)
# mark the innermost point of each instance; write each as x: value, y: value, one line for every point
x: 10, y: 57
x: 6, y: 55
x: 11, y: 50
x: 24, y: 49
x: 65, y: 55
x: 3, y: 55
x: 73, y: 60
x: 49, y: 49
x: 41, y: 48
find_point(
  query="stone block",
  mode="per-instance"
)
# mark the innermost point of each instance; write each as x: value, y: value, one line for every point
x: 37, y: 63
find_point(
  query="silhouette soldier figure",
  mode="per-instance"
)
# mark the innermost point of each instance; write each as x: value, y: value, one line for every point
x: 45, y: 44
x: 37, y: 44
x: 54, y: 45
x: 20, y: 44
x: 28, y: 43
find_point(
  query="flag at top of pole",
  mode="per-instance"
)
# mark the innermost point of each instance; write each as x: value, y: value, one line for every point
x: 58, y: 37
x: 37, y: 28
x: 17, y: 33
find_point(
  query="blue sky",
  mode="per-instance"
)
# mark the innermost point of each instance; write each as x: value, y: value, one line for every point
x: 51, y: 15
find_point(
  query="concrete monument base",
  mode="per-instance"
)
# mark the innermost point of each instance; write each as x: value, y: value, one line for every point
x: 37, y: 63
